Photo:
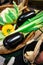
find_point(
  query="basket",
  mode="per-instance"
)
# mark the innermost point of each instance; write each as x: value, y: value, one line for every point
x: 3, y: 50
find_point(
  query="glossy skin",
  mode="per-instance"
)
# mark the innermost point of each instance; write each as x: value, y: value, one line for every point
x: 23, y: 17
x: 13, y: 40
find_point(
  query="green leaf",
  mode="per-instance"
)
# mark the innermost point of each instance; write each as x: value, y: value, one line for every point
x: 16, y: 8
x: 8, y: 19
x: 12, y: 14
x: 1, y: 21
x: 1, y: 36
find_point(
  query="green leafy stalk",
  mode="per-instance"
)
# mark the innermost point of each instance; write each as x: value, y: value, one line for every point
x: 32, y: 19
x: 30, y: 25
x: 16, y: 8
x: 40, y: 14
x: 12, y: 14
x: 1, y: 21
x: 8, y: 19
x: 33, y: 28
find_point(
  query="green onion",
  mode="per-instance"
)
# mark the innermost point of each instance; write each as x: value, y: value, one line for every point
x: 32, y: 19
x: 37, y: 16
x: 30, y: 25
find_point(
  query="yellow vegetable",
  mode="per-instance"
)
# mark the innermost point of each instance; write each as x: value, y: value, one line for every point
x: 7, y: 29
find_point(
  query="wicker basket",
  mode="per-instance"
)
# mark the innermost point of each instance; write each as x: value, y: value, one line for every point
x: 3, y: 50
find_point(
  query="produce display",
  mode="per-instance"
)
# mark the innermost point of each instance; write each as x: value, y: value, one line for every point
x: 26, y: 22
x: 28, y: 26
x: 9, y: 15
x: 32, y: 24
x: 8, y: 19
x: 21, y: 32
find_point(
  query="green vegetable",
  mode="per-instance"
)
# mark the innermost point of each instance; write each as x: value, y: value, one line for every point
x: 12, y: 13
x: 8, y: 19
x: 16, y: 8
x: 32, y: 29
x: 1, y: 21
x: 32, y: 19
x: 16, y: 15
x: 30, y: 25
x: 37, y: 16
x: 9, y: 15
x: 1, y: 36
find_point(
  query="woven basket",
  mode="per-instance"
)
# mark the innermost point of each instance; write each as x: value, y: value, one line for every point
x: 3, y: 50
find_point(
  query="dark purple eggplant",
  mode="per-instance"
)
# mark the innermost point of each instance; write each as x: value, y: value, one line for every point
x: 24, y: 16
x: 13, y: 40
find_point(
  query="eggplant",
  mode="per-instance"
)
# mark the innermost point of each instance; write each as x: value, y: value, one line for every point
x: 24, y: 16
x: 13, y: 40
